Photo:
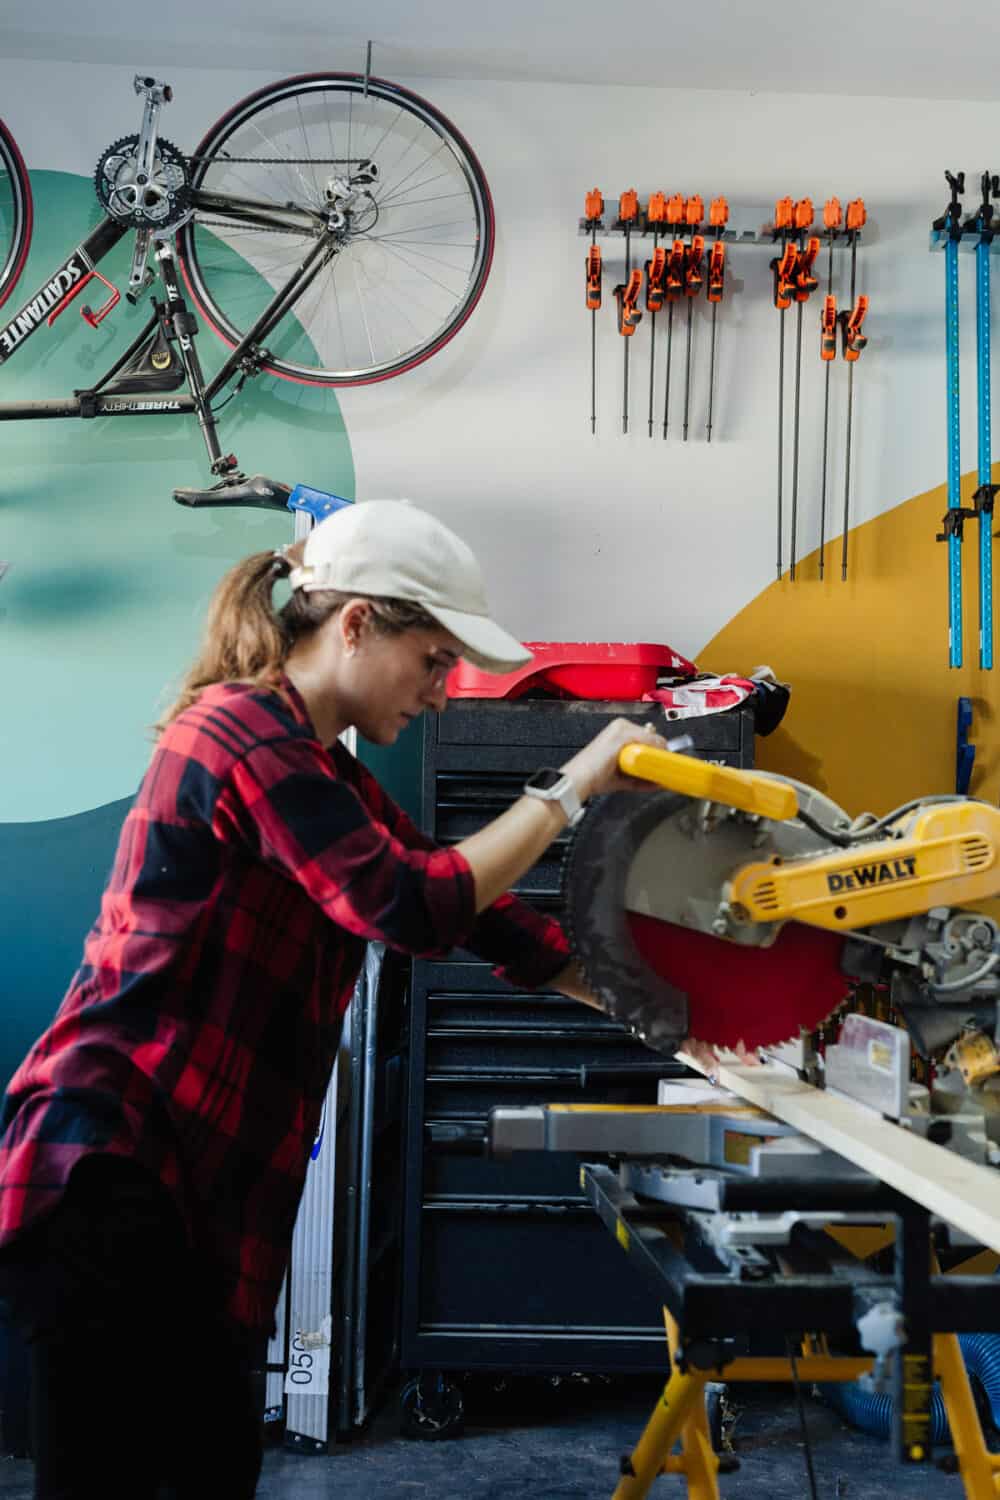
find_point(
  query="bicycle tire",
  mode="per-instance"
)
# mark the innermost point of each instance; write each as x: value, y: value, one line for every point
x: 387, y: 300
x: 16, y: 213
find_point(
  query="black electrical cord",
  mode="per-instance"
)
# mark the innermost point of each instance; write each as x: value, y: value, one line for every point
x: 869, y: 830
x: 813, y: 1492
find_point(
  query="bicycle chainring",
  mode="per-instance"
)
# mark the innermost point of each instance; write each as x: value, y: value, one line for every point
x: 160, y: 202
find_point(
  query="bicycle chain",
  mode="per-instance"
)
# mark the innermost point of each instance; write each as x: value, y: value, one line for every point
x: 281, y: 161
x: 230, y: 224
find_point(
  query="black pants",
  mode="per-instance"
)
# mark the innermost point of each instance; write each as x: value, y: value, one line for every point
x: 138, y: 1388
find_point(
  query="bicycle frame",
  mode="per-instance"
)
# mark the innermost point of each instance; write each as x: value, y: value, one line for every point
x: 180, y: 325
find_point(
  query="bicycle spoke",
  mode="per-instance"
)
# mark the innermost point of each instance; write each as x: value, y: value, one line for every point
x: 373, y: 153
x: 418, y: 229
x: 399, y: 161
x: 305, y: 143
x: 271, y: 147
x: 391, y: 200
x: 394, y: 250
x: 411, y: 250
x: 329, y: 131
x: 389, y: 191
x: 336, y: 298
x: 364, y: 311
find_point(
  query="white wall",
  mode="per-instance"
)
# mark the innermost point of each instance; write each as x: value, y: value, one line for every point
x: 624, y: 538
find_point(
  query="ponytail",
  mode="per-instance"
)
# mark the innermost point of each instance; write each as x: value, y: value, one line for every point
x: 247, y: 640
x: 244, y: 639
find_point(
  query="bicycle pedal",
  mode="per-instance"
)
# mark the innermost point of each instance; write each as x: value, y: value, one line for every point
x: 258, y: 492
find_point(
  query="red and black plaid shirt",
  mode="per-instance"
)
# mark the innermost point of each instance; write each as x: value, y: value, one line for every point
x: 199, y: 1034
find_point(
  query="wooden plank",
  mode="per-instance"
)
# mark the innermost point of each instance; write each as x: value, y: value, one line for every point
x: 959, y: 1191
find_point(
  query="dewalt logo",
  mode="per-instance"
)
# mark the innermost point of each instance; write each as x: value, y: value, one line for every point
x: 885, y: 872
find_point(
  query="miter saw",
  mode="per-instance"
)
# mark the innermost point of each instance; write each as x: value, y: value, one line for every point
x: 737, y: 906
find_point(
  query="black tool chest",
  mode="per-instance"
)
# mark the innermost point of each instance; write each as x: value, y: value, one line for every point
x: 505, y: 1265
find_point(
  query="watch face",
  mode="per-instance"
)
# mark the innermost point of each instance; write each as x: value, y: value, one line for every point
x: 545, y: 780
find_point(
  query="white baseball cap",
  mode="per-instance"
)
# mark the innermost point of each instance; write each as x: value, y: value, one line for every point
x: 391, y: 549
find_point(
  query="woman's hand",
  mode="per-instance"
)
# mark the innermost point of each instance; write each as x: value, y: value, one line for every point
x: 594, y: 769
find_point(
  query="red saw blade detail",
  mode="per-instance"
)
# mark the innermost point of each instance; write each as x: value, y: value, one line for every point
x: 758, y: 996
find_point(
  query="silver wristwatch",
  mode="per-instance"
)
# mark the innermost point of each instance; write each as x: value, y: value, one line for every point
x: 549, y: 785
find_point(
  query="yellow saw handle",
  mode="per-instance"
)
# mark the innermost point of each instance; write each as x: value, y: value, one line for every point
x: 699, y: 778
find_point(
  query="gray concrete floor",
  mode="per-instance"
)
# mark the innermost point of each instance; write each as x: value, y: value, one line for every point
x: 564, y: 1444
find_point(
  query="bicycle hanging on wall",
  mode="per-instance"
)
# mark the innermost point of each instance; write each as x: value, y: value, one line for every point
x: 333, y: 229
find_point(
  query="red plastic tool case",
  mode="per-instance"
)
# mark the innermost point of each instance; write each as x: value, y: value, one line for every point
x: 577, y: 669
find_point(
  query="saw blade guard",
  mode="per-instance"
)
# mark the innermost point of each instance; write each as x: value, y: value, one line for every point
x: 595, y: 874
x: 641, y: 892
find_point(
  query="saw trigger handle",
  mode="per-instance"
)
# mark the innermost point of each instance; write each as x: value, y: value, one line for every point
x: 704, y: 781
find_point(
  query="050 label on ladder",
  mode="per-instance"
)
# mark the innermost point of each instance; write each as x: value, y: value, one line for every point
x: 309, y: 1362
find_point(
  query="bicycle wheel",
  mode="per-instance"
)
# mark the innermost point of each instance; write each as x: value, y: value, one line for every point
x: 392, y: 186
x: 15, y: 213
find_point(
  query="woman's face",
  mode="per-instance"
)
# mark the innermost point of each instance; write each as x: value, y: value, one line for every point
x: 390, y: 680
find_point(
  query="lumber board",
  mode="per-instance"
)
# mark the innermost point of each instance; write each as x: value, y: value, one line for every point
x: 962, y: 1192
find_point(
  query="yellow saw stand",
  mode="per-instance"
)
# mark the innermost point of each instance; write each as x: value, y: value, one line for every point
x: 680, y: 1415
x: 743, y: 1224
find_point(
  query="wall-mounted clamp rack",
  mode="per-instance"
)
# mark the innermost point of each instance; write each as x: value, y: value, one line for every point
x: 956, y: 233
x: 696, y: 235
x: 748, y: 224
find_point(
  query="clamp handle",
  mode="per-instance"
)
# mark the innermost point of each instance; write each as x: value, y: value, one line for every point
x: 629, y: 316
x: 694, y: 276
x: 674, y: 278
x: 656, y: 268
x: 850, y: 328
x: 828, y: 329
x: 716, y: 272
x: 593, y: 264
x: 805, y: 282
x: 784, y: 276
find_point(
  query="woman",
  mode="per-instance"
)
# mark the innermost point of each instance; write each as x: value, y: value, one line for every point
x: 155, y: 1140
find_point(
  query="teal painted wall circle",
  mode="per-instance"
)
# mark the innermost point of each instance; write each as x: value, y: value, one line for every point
x: 102, y: 607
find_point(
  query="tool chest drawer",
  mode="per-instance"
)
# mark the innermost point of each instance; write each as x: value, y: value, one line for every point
x: 531, y: 722
x: 505, y: 1265
x: 576, y: 1285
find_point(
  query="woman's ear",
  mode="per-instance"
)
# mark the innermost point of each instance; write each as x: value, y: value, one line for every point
x: 355, y: 620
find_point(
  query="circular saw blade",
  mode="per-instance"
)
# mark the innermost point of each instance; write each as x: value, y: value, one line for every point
x: 668, y: 982
x: 757, y: 996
